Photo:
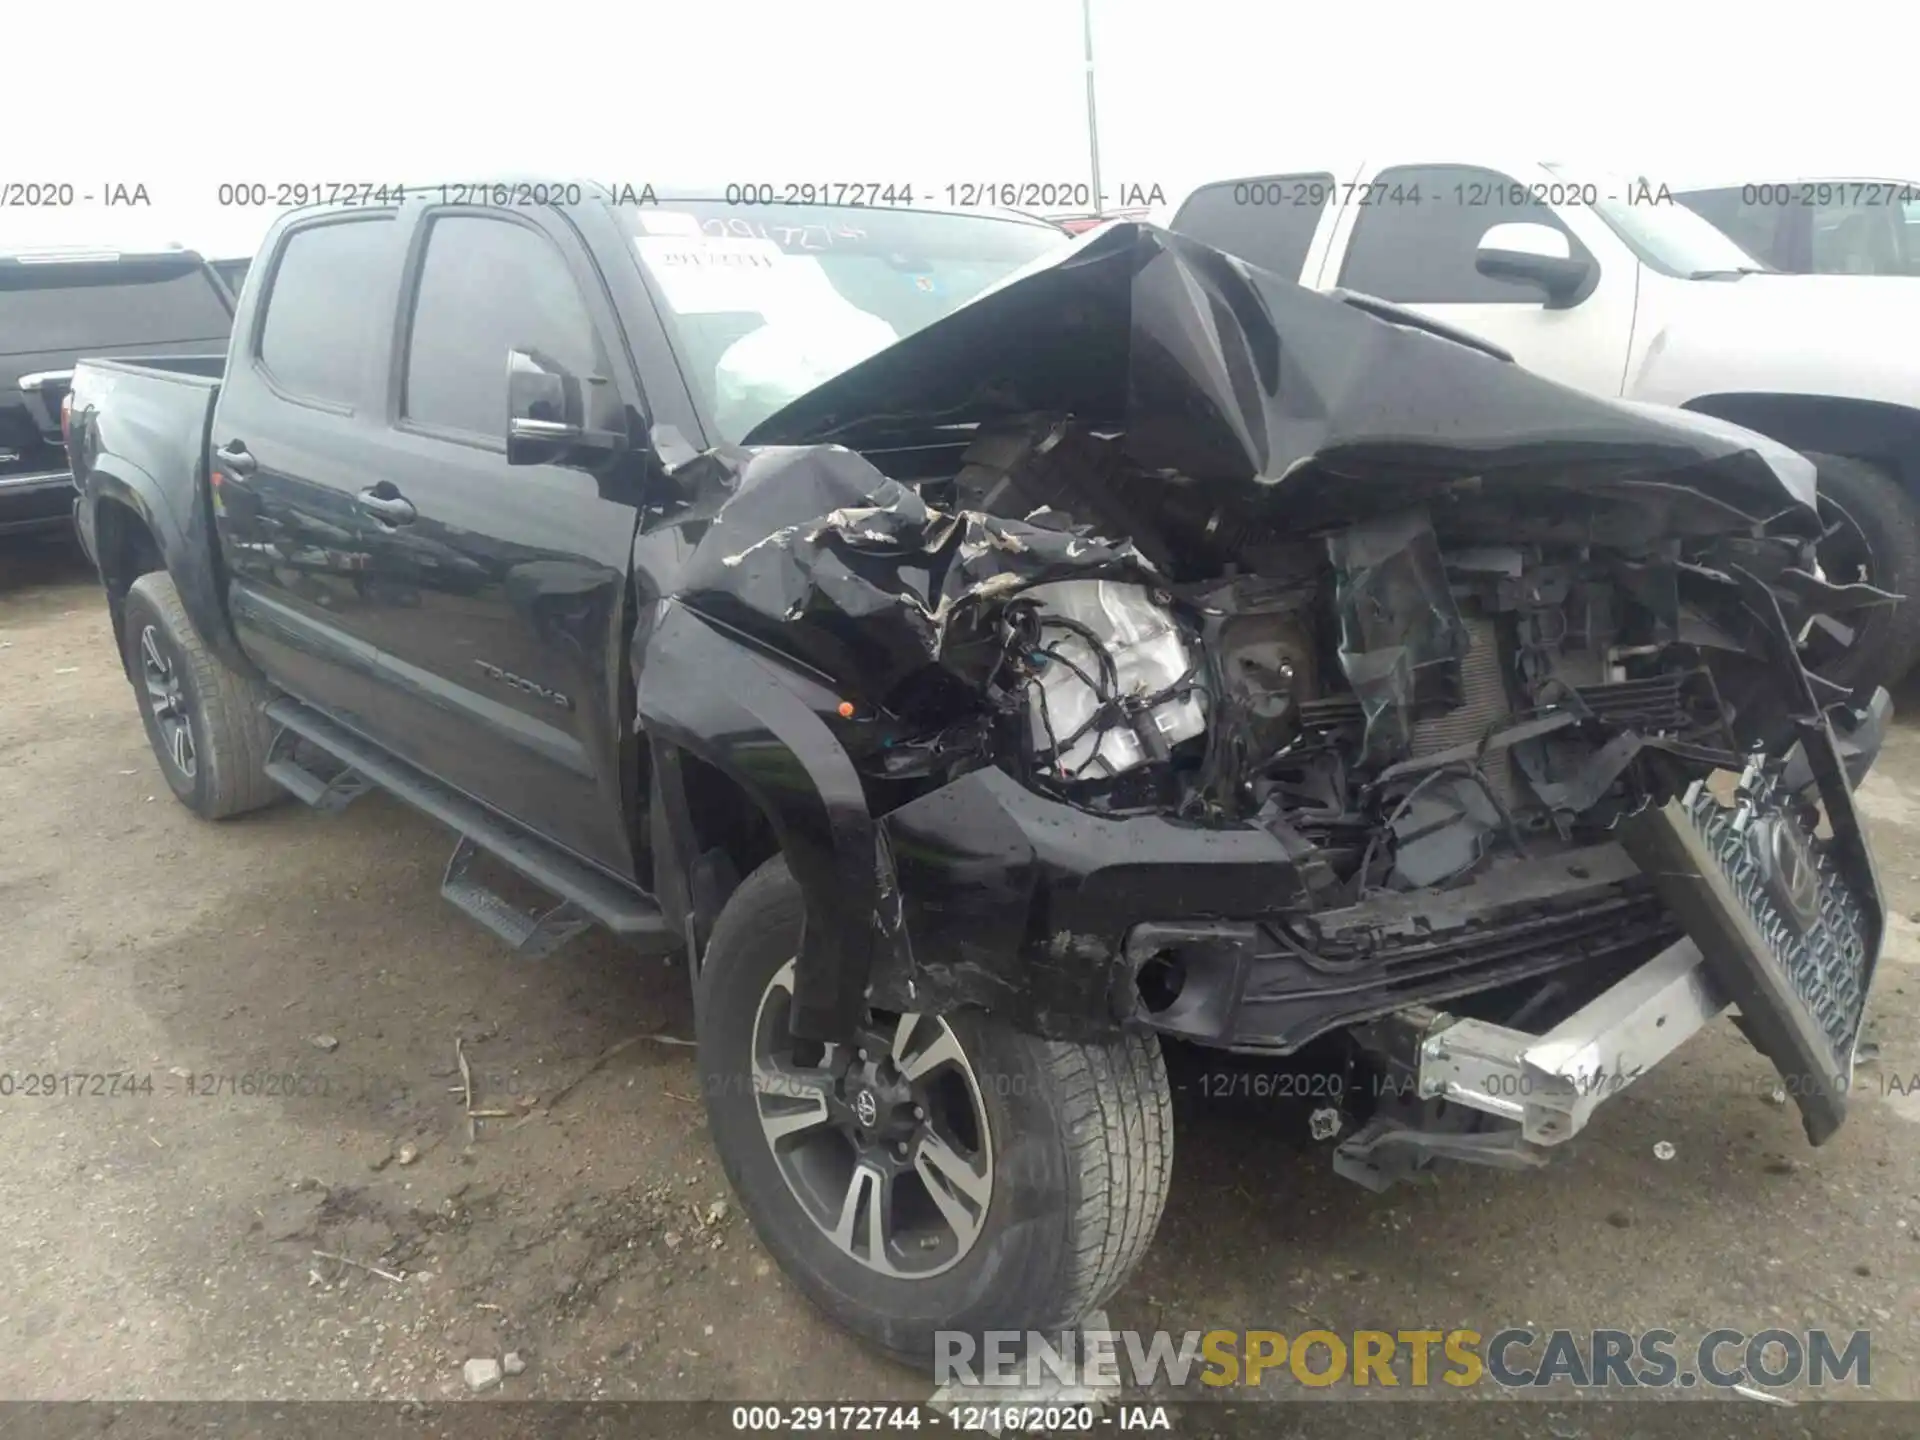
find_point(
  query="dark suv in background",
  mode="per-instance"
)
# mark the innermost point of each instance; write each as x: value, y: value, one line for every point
x: 57, y: 305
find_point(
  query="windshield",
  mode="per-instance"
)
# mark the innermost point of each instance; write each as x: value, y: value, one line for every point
x: 1663, y: 232
x: 768, y: 301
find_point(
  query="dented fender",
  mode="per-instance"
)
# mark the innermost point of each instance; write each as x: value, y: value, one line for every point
x: 759, y: 722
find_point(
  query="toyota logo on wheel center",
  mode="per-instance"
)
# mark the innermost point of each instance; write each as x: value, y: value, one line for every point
x: 866, y: 1109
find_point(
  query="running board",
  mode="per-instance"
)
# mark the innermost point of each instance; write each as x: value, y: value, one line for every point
x: 531, y: 935
x: 584, y: 892
x: 321, y: 792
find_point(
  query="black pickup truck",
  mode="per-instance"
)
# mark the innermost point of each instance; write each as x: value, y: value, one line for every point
x: 987, y: 656
x: 57, y: 305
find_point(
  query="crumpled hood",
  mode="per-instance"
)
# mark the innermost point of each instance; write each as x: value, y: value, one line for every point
x: 1287, y: 399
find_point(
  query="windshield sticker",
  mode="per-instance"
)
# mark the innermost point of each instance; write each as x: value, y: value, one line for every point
x: 815, y: 236
x: 703, y: 276
x: 669, y: 222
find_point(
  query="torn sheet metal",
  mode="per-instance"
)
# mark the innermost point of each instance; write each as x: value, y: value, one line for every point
x: 1244, y: 382
x: 1401, y: 636
x: 854, y: 573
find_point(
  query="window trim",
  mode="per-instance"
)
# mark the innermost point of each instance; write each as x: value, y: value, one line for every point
x: 1577, y: 248
x: 263, y: 309
x: 402, y: 328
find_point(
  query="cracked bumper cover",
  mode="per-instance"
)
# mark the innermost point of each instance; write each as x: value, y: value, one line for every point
x: 997, y: 897
x: 1006, y: 900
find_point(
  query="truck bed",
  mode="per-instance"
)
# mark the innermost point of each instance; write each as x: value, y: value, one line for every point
x: 140, y: 434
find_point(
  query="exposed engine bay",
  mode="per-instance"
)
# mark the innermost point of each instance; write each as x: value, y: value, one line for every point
x: 1411, y: 696
x: 1317, y: 673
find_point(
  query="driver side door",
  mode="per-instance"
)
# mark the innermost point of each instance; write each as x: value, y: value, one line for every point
x: 1411, y: 236
x: 500, y: 604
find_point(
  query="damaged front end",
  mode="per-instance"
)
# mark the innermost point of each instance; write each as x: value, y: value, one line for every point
x: 1252, y: 665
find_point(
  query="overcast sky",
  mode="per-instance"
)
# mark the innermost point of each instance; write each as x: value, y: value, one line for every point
x: 184, y: 95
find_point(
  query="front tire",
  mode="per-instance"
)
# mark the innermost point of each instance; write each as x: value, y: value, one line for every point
x: 1874, y: 536
x: 1016, y: 1181
x: 203, y: 721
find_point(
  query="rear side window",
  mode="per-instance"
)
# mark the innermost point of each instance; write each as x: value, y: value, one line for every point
x: 322, y: 306
x: 486, y: 287
x: 1267, y: 221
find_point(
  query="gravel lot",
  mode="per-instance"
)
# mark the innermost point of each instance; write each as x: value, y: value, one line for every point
x: 160, y: 1244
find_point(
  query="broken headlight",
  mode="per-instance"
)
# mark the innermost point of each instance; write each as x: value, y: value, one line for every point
x: 1113, y: 683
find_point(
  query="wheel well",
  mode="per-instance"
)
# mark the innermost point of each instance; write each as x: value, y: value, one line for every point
x: 126, y: 550
x: 1886, y: 435
x: 732, y: 836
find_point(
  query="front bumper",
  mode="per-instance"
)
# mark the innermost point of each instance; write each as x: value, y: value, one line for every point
x: 1542, y: 1088
x: 1056, y: 919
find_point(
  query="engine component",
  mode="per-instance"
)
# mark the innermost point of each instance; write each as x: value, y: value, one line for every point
x: 1114, y: 680
x: 1484, y: 705
x: 1401, y: 636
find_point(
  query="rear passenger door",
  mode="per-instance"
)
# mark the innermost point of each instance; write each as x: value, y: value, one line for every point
x: 501, y: 605
x: 1282, y: 223
x: 1410, y: 234
x: 298, y: 412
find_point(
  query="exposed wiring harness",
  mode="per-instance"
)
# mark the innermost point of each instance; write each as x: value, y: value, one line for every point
x: 1027, y: 648
x: 1468, y: 769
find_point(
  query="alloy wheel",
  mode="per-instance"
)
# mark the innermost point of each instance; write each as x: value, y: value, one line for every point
x: 883, y: 1141
x: 167, y: 700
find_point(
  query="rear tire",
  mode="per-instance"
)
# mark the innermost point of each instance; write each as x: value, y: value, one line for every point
x: 1076, y: 1151
x: 1887, y: 524
x: 203, y: 721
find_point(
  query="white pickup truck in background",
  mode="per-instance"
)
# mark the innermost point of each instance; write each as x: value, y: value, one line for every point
x: 1610, y: 285
x: 1833, y: 225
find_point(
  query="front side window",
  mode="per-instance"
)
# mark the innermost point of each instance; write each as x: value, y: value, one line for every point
x: 488, y: 287
x: 766, y: 302
x: 1424, y: 249
x: 318, y: 330
x: 1268, y: 221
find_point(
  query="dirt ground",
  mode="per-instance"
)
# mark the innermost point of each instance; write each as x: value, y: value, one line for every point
x: 160, y: 1243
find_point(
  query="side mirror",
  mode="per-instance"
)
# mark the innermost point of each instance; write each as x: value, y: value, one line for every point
x: 1534, y: 254
x: 557, y: 418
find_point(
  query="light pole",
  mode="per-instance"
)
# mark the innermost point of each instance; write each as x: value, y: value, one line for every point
x: 1093, y: 122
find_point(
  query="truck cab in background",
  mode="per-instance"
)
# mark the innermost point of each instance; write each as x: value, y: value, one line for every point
x: 59, y: 304
x: 1612, y: 285
x: 1831, y: 226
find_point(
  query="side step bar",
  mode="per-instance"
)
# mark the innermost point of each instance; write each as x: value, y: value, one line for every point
x: 322, y: 792
x: 585, y: 893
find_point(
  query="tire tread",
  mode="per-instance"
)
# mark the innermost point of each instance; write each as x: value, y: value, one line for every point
x: 1117, y: 1119
x: 236, y: 731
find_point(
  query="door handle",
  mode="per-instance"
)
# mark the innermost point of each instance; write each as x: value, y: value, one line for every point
x: 391, y: 509
x: 235, y: 459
